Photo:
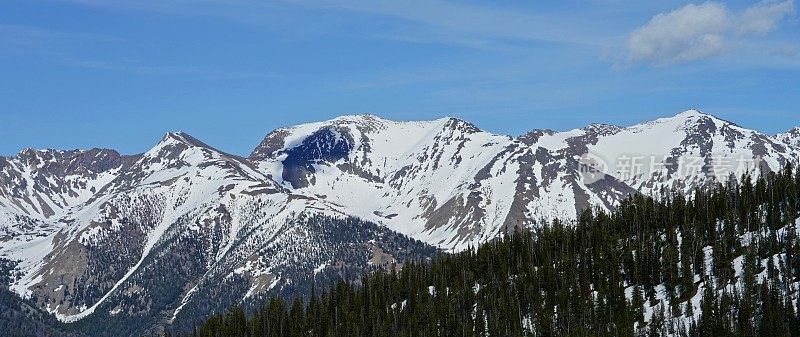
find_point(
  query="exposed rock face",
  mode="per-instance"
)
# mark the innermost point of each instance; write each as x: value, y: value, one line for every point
x: 444, y: 181
x: 45, y: 183
x: 791, y: 138
x: 689, y: 150
x: 148, y: 236
x: 145, y: 239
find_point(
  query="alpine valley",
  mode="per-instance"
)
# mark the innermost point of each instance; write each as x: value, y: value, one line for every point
x: 131, y: 243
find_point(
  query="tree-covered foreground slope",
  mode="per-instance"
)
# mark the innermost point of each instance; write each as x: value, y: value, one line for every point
x: 725, y: 262
x: 21, y: 317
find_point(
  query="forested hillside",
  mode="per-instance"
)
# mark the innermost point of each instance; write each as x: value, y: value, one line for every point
x: 724, y: 262
x: 21, y: 317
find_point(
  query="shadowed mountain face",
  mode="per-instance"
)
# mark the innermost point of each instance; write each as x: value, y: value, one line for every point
x: 150, y: 238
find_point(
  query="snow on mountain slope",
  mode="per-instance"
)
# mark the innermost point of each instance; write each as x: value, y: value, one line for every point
x: 682, y: 152
x: 181, y: 201
x: 445, y: 182
x: 126, y: 217
x: 46, y: 184
x: 792, y: 137
x: 98, y: 234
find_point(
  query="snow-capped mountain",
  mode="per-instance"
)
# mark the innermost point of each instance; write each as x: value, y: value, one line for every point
x: 682, y: 152
x: 182, y: 206
x: 39, y: 186
x: 445, y: 182
x: 792, y: 137
x: 99, y: 235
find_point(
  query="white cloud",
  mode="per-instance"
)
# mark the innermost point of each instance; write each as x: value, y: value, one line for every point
x: 695, y: 32
x: 763, y: 17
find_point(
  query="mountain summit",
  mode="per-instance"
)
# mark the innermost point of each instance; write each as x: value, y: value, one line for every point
x: 792, y: 137
x: 96, y: 234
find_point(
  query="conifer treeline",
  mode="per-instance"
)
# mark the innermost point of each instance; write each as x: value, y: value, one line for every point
x: 731, y: 249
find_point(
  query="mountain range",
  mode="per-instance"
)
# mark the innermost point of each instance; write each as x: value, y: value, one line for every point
x: 185, y: 229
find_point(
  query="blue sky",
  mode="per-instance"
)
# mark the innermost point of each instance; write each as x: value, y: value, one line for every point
x: 121, y: 73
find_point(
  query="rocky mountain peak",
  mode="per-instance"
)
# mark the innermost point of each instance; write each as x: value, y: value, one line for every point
x: 454, y: 123
x: 287, y: 137
x: 531, y: 137
x: 791, y: 137
x: 696, y: 119
x: 273, y: 142
x: 793, y: 132
x: 601, y: 129
x: 64, y: 162
x: 692, y: 113
x: 177, y: 144
x: 34, y: 157
x: 184, y: 138
x: 358, y: 118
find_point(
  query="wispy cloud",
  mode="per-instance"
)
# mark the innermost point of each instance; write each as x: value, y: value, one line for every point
x: 165, y: 70
x: 66, y: 48
x: 695, y: 32
x: 763, y: 17
x: 16, y: 36
x: 421, y: 21
x: 461, y: 22
x: 688, y: 33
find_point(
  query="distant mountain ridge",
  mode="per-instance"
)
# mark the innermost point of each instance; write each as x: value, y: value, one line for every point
x: 91, y: 229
